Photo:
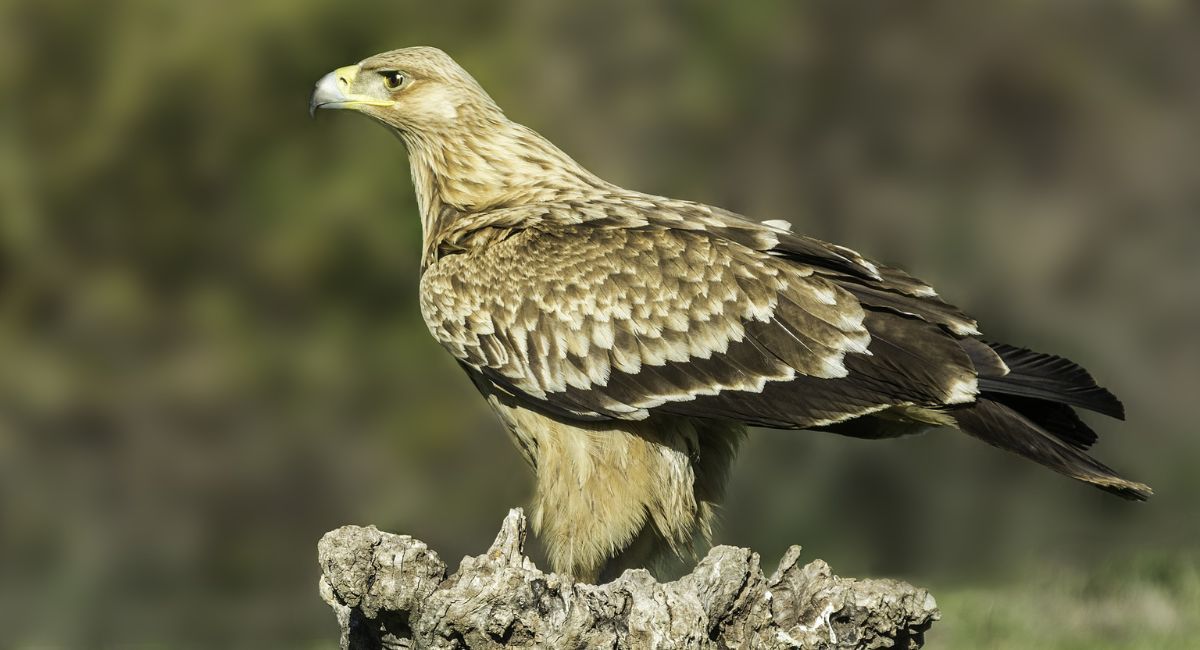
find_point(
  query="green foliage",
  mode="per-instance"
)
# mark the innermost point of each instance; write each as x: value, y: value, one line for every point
x: 1150, y: 602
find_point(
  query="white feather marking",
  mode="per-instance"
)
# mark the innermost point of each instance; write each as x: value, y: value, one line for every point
x: 653, y: 353
x: 763, y: 313
x: 859, y: 342
x: 755, y: 384
x: 602, y: 334
x: 963, y: 391
x: 598, y: 368
x: 620, y: 310
x: 778, y: 224
x: 578, y: 344
x: 705, y: 343
x: 627, y: 361
x: 639, y: 414
x: 834, y: 367
x: 575, y: 377
x: 848, y: 416
x: 646, y: 329
x: 553, y: 382
x: 964, y: 329
x: 676, y: 320
x: 825, y: 295
x: 678, y: 351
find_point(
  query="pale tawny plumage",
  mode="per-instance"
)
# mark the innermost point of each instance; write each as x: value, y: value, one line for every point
x: 626, y: 340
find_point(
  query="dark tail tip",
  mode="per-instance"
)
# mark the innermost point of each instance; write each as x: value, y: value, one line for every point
x: 1001, y: 426
x: 1131, y: 490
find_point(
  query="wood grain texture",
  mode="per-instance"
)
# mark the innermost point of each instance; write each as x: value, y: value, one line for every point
x: 392, y: 591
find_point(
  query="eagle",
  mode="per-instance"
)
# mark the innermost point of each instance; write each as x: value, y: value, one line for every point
x: 626, y: 341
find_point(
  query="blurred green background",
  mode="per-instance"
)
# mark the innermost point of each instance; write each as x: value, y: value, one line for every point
x: 210, y: 350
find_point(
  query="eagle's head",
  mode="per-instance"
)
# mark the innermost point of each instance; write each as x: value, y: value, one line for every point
x: 419, y: 91
x: 465, y: 155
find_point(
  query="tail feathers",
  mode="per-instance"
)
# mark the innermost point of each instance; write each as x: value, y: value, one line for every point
x: 1000, y: 425
x: 1048, y: 377
x: 1059, y: 420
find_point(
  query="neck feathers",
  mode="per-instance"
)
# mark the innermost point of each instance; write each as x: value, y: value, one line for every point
x: 488, y: 164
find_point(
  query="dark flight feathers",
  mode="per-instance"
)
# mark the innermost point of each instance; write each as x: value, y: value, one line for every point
x: 1049, y: 377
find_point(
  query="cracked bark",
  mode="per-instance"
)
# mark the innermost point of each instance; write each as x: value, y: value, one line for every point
x: 392, y: 591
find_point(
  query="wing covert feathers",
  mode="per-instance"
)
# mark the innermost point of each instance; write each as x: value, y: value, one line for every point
x: 613, y: 322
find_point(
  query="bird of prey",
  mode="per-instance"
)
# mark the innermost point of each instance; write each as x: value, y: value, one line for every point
x: 626, y: 340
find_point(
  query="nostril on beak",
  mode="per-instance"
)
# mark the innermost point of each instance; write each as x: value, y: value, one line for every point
x: 343, y: 81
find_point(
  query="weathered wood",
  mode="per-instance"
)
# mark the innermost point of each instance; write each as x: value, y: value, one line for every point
x: 392, y: 591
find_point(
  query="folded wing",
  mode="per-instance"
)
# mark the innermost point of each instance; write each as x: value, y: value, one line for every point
x: 595, y: 322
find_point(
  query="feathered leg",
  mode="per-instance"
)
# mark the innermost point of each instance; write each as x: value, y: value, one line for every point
x: 617, y: 495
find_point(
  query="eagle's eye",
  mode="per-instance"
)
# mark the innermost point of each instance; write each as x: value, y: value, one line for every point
x: 392, y: 79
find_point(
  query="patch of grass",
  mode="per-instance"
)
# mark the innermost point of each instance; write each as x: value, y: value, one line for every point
x: 1149, y: 602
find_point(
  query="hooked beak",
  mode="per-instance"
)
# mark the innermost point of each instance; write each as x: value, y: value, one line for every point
x: 333, y: 91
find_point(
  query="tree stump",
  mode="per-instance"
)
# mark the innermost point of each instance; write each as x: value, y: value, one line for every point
x: 392, y: 591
